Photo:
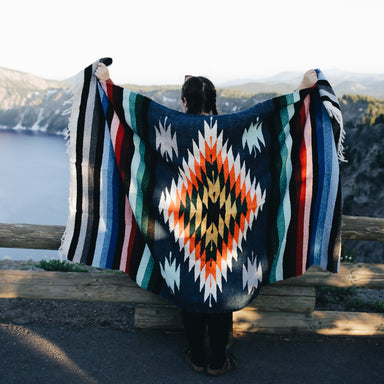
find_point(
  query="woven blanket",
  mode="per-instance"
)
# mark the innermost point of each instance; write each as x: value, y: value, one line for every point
x: 204, y: 209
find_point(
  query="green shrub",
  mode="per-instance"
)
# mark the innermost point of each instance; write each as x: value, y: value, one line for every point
x: 348, y: 298
x: 60, y: 266
x: 347, y: 256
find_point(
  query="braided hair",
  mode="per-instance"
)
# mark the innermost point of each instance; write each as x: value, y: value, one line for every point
x: 210, y: 96
x: 200, y: 95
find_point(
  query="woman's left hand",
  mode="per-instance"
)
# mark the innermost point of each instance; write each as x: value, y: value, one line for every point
x: 309, y: 79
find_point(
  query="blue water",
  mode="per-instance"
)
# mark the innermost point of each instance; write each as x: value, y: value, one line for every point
x: 34, y: 185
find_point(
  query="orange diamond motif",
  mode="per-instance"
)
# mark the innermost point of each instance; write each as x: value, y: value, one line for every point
x: 210, y: 208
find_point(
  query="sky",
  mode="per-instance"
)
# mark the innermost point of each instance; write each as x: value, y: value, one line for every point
x: 160, y: 41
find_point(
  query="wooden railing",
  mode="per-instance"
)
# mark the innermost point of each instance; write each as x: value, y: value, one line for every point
x: 32, y: 236
x: 284, y: 307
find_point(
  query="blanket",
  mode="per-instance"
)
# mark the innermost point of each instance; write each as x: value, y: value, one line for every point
x: 203, y: 210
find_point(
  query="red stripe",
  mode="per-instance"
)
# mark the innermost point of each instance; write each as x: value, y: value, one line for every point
x: 301, y: 195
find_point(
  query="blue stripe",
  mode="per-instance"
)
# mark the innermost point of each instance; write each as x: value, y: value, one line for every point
x: 115, y: 217
x: 315, y: 223
x: 324, y: 147
x: 110, y: 196
x: 332, y: 178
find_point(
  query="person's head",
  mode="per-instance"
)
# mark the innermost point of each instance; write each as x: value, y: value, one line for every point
x: 198, y: 95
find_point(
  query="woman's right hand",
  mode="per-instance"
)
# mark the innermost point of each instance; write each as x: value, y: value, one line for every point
x: 102, y: 72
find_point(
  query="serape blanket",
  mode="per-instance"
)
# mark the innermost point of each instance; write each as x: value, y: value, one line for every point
x: 204, y: 209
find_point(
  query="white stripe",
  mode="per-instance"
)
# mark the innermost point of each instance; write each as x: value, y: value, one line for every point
x: 77, y: 88
x: 84, y: 166
x: 105, y: 164
x: 134, y: 169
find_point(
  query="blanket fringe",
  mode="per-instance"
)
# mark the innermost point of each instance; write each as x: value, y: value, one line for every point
x: 335, y: 113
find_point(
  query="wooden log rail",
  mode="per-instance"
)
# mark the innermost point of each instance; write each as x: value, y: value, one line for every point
x: 33, y: 236
x: 284, y: 307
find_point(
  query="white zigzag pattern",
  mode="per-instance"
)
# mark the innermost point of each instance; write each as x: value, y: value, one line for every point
x: 165, y: 141
x: 253, y: 275
x: 253, y: 137
x: 170, y: 273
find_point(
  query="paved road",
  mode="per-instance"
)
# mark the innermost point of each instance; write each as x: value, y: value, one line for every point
x: 47, y: 354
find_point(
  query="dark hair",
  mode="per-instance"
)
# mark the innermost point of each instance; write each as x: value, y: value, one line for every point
x: 210, y: 96
x: 193, y: 92
x: 200, y: 94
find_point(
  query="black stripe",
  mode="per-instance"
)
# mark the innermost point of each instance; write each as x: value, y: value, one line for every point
x: 137, y: 251
x: 156, y: 280
x: 121, y: 227
x: 315, y: 167
x: 296, y: 131
x: 151, y: 162
x: 334, y: 103
x: 334, y: 248
x: 78, y: 162
x: 275, y: 168
x: 323, y: 83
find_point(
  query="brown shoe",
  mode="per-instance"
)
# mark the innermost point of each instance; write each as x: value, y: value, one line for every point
x: 187, y: 354
x: 230, y: 364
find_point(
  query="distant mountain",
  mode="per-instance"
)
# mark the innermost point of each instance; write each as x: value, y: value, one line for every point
x: 28, y: 102
x: 342, y: 82
x: 31, y: 103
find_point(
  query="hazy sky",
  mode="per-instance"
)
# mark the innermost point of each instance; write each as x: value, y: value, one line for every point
x: 159, y: 41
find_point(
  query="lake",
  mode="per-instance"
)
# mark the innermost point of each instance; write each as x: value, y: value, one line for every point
x: 34, y: 184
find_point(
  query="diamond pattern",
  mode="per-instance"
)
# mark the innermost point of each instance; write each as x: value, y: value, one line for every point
x: 210, y: 208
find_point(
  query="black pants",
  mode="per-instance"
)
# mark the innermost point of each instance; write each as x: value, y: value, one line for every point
x: 219, y: 325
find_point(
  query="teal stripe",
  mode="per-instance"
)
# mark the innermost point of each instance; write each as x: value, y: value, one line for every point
x: 143, y: 172
x: 284, y: 211
x: 132, y: 106
x: 138, y: 167
x: 131, y: 109
x: 145, y: 269
x: 138, y: 163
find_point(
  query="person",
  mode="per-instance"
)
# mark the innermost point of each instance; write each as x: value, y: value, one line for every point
x: 198, y: 96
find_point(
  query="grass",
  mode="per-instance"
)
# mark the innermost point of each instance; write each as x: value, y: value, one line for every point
x: 347, y: 256
x: 348, y: 299
x: 59, y: 266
